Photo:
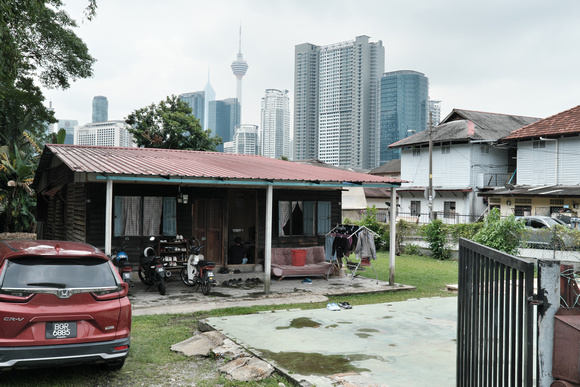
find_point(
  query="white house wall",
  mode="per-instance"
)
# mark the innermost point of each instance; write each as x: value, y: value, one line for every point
x: 556, y: 162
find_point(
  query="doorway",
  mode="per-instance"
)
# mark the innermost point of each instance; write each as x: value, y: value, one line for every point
x: 207, y: 221
x: 242, y: 215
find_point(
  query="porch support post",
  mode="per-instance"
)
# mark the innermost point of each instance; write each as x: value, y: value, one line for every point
x: 109, y: 217
x: 549, y: 292
x: 268, y: 239
x: 392, y: 239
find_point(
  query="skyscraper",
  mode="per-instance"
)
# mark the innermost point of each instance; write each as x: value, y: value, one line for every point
x: 275, y: 127
x: 239, y: 67
x: 196, y: 102
x: 404, y: 109
x: 100, y: 109
x: 69, y: 127
x: 223, y: 117
x: 336, y: 102
x: 435, y: 111
x: 109, y: 133
x: 246, y: 140
x: 209, y: 97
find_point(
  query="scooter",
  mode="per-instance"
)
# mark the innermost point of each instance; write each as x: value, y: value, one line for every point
x: 152, y: 270
x: 198, y: 271
x: 121, y: 261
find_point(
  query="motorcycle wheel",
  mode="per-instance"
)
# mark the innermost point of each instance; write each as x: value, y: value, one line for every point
x: 143, y: 277
x: 161, y: 286
x: 184, y: 277
x: 205, y: 286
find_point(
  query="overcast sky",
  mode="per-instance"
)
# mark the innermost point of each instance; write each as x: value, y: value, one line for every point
x: 518, y: 57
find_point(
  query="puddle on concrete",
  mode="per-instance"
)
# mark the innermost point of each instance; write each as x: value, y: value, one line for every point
x: 363, y: 335
x: 301, y: 322
x: 388, y: 316
x: 371, y: 330
x: 218, y: 294
x: 332, y: 326
x: 345, y: 322
x: 316, y: 363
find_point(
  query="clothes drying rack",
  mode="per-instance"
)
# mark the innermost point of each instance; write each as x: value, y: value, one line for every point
x: 354, y: 266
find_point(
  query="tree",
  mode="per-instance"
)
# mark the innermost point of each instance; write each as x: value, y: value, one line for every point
x: 37, y: 43
x: 170, y: 125
x: 17, y: 200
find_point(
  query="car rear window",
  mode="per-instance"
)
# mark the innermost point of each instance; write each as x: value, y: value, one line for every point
x: 27, y: 272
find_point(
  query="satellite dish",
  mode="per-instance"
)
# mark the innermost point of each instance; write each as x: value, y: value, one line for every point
x: 509, y: 186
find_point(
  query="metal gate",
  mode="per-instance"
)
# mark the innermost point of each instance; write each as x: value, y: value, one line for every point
x: 495, y: 318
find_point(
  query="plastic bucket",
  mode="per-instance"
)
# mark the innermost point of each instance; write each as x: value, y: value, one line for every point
x: 298, y: 257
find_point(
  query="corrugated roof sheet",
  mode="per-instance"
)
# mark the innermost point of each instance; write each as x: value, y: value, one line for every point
x: 467, y: 125
x: 564, y: 123
x: 195, y: 164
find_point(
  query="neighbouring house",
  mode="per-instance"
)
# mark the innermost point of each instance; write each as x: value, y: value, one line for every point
x: 111, y: 196
x: 547, y: 181
x: 467, y: 158
x: 356, y: 200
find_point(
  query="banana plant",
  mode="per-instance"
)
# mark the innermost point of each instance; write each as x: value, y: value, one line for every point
x: 17, y: 199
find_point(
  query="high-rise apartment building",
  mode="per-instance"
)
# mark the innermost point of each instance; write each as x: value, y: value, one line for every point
x: 435, y: 112
x: 69, y: 127
x: 100, y: 109
x: 246, y: 140
x: 224, y: 115
x: 336, y: 102
x: 275, y: 124
x: 404, y: 109
x: 196, y: 101
x: 110, y: 133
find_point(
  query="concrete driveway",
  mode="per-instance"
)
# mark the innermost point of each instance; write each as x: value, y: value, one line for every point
x: 410, y: 343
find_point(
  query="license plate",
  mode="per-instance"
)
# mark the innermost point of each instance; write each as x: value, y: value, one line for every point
x: 126, y: 275
x: 61, y: 330
x: 160, y: 269
x: 210, y: 274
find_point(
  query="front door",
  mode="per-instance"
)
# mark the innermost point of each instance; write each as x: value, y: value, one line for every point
x: 207, y: 220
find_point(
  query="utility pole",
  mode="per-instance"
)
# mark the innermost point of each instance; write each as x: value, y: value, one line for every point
x: 430, y: 192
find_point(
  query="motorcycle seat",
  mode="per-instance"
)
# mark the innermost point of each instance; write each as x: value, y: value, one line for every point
x: 204, y: 263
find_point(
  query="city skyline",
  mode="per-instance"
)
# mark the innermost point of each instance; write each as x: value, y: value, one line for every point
x: 477, y: 56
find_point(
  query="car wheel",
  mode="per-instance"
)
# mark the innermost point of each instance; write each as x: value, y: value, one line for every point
x: 114, y: 365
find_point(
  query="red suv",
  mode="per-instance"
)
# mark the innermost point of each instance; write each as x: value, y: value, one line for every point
x: 61, y: 303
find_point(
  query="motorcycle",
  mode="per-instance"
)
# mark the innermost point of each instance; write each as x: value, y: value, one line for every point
x: 152, y: 269
x: 198, y: 271
x: 121, y: 261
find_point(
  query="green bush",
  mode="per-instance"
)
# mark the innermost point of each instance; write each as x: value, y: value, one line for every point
x: 501, y: 234
x: 463, y: 230
x: 436, y: 234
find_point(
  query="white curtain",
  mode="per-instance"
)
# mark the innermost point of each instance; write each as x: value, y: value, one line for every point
x: 152, y: 210
x: 131, y: 215
x: 284, y: 215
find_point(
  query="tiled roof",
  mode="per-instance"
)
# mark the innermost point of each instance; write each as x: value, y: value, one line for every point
x: 392, y: 166
x: 468, y: 125
x: 564, y: 123
x: 195, y: 164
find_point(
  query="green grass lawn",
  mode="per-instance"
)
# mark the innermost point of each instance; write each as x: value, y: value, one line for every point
x: 151, y: 361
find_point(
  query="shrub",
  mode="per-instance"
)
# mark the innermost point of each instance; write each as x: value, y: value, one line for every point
x: 436, y: 234
x: 463, y: 230
x: 501, y: 234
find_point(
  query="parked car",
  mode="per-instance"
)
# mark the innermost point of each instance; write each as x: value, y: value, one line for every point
x: 61, y: 303
x: 543, y: 233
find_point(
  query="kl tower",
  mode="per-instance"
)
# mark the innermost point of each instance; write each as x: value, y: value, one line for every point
x: 239, y: 67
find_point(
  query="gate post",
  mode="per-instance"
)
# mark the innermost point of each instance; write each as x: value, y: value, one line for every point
x: 549, y: 293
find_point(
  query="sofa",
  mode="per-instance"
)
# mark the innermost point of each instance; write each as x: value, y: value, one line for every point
x: 315, y: 265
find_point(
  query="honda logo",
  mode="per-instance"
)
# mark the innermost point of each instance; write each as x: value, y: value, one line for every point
x: 63, y: 293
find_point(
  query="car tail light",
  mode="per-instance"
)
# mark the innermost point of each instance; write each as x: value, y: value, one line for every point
x: 122, y: 348
x: 121, y: 291
x: 16, y: 297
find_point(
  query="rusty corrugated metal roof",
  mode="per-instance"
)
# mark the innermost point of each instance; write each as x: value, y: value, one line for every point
x: 563, y: 123
x: 195, y: 164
